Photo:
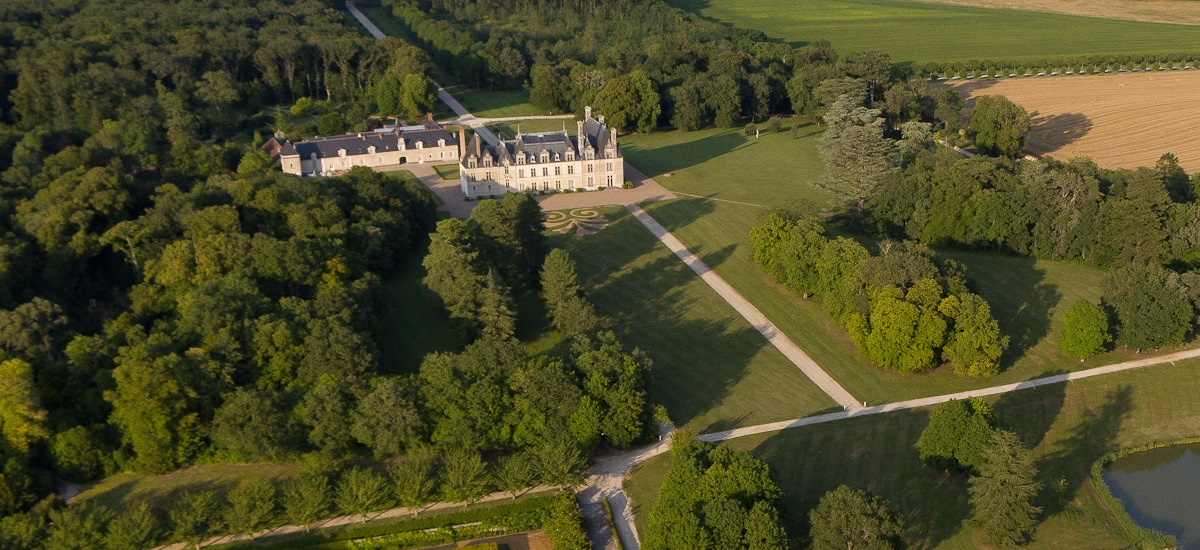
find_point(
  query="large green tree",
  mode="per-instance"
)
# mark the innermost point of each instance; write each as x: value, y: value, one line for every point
x: 998, y: 126
x: 1085, y: 332
x: 958, y: 433
x: 1003, y: 492
x: 630, y: 102
x: 1149, y: 306
x: 849, y: 519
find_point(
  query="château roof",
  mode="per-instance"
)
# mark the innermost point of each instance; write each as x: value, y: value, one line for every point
x: 595, y: 135
x: 359, y: 144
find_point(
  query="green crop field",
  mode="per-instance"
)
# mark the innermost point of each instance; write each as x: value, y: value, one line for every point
x: 712, y: 370
x: 917, y: 31
x: 1069, y: 427
x: 773, y: 169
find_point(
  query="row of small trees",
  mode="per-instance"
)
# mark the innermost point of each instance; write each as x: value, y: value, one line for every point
x: 1079, y: 64
x: 196, y: 515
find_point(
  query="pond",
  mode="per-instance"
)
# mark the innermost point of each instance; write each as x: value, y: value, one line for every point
x: 1160, y: 489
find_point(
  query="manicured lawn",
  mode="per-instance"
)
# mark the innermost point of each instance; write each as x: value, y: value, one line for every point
x: 160, y: 490
x: 774, y: 169
x: 495, y: 104
x: 508, y: 130
x: 447, y: 171
x: 1069, y: 427
x: 1029, y: 299
x: 918, y: 31
x: 712, y: 370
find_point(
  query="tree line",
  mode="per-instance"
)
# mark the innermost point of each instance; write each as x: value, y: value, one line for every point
x: 906, y: 309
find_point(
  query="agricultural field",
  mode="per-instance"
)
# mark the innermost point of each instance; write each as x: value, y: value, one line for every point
x: 1068, y: 426
x: 1161, y: 11
x: 711, y: 369
x: 1120, y: 121
x: 916, y: 31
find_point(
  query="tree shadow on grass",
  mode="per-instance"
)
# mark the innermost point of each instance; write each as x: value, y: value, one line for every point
x: 657, y: 161
x: 700, y: 352
x: 1020, y: 299
x: 1031, y: 413
x: 1065, y: 469
x: 876, y: 454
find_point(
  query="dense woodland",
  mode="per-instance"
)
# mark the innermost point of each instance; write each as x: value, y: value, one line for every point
x: 168, y: 298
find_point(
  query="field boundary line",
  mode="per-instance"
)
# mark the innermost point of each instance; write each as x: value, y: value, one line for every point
x: 764, y: 326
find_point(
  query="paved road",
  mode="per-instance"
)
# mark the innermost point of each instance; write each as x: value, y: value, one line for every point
x: 755, y: 317
x: 366, y: 23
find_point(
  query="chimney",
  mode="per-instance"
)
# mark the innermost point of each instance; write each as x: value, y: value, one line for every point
x: 601, y: 120
x: 587, y: 112
x: 462, y: 142
x: 613, y: 136
x: 580, y: 139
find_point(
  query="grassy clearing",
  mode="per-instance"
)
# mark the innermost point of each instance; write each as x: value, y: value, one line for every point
x: 447, y: 171
x: 773, y: 169
x: 1029, y: 298
x: 508, y: 130
x: 918, y: 31
x: 413, y: 321
x: 495, y: 104
x: 161, y: 490
x: 712, y: 370
x: 1069, y: 427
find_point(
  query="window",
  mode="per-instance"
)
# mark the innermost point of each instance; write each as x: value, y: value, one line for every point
x: 521, y: 173
x: 570, y: 155
x: 545, y: 156
x: 589, y: 167
x: 590, y: 182
x: 506, y: 169
x: 610, y: 180
x: 558, y: 170
x: 558, y: 185
x: 488, y: 176
x: 545, y: 172
x: 570, y: 170
x: 471, y: 163
x: 609, y: 167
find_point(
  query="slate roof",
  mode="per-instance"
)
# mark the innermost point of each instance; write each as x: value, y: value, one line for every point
x: 358, y: 144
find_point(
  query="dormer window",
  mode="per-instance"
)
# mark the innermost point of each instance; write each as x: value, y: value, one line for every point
x: 520, y: 159
x: 371, y: 150
x: 570, y: 155
x: 557, y: 157
x: 341, y: 152
x: 441, y: 143
x: 589, y: 155
x: 472, y: 162
x: 487, y: 161
x: 545, y: 156
x: 420, y: 145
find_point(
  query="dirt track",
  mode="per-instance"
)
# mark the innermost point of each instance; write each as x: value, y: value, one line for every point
x: 1161, y: 11
x: 1120, y: 121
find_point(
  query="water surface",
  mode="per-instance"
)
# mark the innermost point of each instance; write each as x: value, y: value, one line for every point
x: 1161, y: 490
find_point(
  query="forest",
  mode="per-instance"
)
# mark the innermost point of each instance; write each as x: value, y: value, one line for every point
x: 168, y: 298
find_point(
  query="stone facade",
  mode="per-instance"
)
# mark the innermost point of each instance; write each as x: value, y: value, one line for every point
x: 548, y: 161
x: 383, y: 148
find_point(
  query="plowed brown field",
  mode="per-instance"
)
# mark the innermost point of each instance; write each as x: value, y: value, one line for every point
x: 1120, y: 121
x: 1161, y: 11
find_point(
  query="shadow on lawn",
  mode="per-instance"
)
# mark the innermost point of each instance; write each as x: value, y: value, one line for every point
x: 678, y: 156
x: 1064, y: 470
x: 1031, y: 413
x: 876, y: 454
x: 696, y: 360
x: 1021, y: 302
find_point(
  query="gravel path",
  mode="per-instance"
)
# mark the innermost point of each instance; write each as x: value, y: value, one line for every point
x: 755, y: 317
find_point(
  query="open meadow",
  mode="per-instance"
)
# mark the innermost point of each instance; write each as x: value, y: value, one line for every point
x: 1120, y: 121
x: 917, y: 31
x: 1068, y: 426
x: 711, y: 369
